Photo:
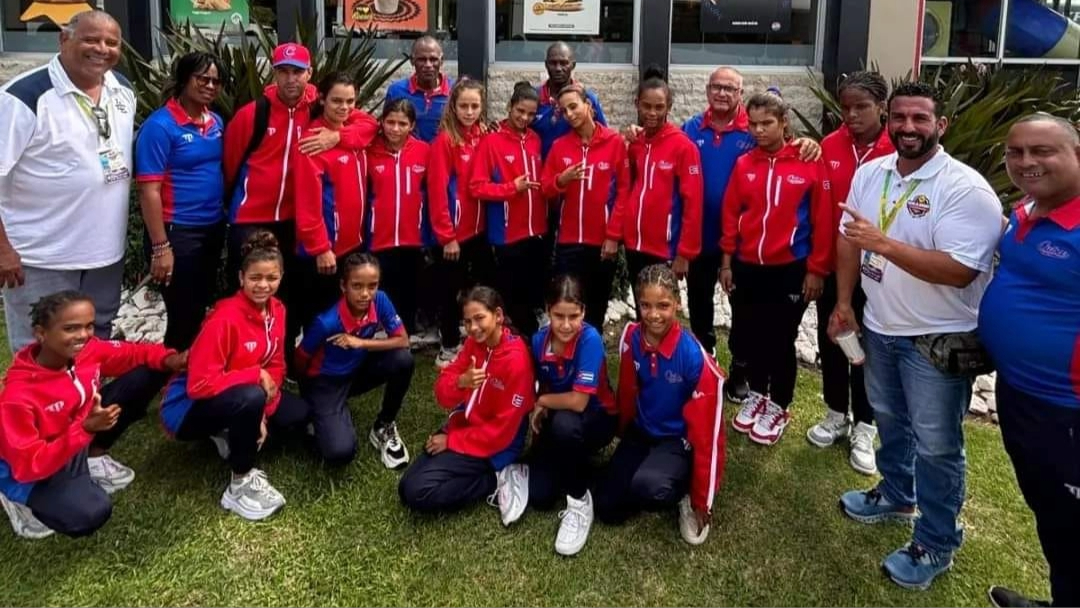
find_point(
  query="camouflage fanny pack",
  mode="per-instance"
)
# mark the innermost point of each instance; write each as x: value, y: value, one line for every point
x: 958, y: 354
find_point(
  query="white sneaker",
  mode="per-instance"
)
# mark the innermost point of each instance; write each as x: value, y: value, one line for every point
x: 577, y: 520
x: 770, y: 426
x: 862, y: 456
x: 751, y: 410
x: 391, y: 448
x: 252, y: 497
x: 833, y: 427
x: 511, y: 493
x: 688, y: 522
x: 430, y: 337
x: 221, y: 444
x: 23, y: 522
x: 446, y: 356
x: 108, y: 474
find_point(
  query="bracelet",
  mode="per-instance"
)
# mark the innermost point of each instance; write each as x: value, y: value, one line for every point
x: 158, y: 250
x: 725, y: 268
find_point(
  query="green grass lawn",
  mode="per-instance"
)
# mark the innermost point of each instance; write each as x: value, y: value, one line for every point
x: 778, y: 537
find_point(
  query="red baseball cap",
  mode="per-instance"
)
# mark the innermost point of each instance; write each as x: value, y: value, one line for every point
x: 292, y: 54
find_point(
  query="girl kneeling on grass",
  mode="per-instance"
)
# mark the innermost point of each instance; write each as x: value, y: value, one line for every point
x: 340, y: 356
x: 670, y: 410
x: 575, y: 412
x: 489, y: 390
x: 57, y: 421
x: 232, y: 388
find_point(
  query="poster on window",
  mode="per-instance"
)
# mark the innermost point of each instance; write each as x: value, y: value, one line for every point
x: 57, y: 11
x: 745, y: 16
x: 211, y: 14
x: 398, y: 15
x: 573, y: 17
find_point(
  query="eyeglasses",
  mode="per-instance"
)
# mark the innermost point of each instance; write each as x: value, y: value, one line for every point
x: 205, y: 81
x: 723, y: 88
x: 101, y: 119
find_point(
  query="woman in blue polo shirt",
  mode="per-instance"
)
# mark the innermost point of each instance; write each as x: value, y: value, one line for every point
x: 178, y: 156
x: 574, y: 416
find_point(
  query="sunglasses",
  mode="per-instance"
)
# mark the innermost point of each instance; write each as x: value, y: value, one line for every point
x: 101, y: 119
x: 205, y: 81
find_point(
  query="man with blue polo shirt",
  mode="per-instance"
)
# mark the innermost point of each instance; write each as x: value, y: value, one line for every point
x: 1029, y: 321
x: 428, y: 89
x: 550, y: 124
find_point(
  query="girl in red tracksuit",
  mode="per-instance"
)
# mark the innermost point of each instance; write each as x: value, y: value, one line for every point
x: 330, y: 193
x: 587, y: 171
x: 232, y: 389
x: 457, y: 218
x: 776, y: 237
x: 659, y: 221
x: 506, y: 174
x: 489, y: 391
x: 671, y: 416
x: 397, y: 218
x: 58, y: 421
x: 862, y: 138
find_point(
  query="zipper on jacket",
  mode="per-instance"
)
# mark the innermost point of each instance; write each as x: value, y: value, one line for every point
x: 397, y: 199
x: 581, y: 196
x: 768, y: 207
x: 361, y: 162
x: 525, y: 160
x: 646, y: 184
x: 78, y: 387
x: 285, y: 166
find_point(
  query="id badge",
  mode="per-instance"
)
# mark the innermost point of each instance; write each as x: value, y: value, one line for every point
x: 873, y: 266
x: 112, y: 164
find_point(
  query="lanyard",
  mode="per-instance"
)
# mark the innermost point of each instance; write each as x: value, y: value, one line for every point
x: 859, y: 160
x: 97, y: 115
x: 886, y: 218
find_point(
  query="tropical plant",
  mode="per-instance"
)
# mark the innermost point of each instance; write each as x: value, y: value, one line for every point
x: 244, y: 58
x: 981, y: 103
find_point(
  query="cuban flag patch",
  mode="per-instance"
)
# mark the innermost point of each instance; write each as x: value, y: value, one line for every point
x: 518, y: 400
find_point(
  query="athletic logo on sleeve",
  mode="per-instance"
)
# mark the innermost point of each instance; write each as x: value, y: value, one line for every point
x: 518, y: 400
x: 835, y: 164
x: 54, y: 407
x: 695, y: 170
x: 188, y: 138
x: 584, y: 376
x: 250, y: 346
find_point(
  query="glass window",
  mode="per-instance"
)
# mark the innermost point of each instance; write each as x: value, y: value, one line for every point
x: 744, y: 32
x: 1043, y: 29
x: 961, y: 28
x: 598, y: 34
x: 399, y: 22
x: 33, y: 26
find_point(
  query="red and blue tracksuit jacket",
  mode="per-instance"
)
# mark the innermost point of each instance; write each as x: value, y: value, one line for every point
x: 778, y: 210
x: 264, y: 190
x: 185, y: 156
x: 397, y: 209
x: 719, y: 149
x: 331, y: 189
x: 661, y: 216
x: 42, y: 409
x: 581, y: 368
x: 674, y: 390
x: 455, y: 214
x: 842, y: 157
x: 317, y: 357
x: 429, y: 105
x: 236, y: 342
x: 585, y: 206
x: 491, y: 421
x: 503, y: 156
x: 550, y: 124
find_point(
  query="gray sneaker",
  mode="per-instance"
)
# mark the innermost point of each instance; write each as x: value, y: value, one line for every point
x: 23, y: 521
x: 252, y: 497
x: 391, y: 448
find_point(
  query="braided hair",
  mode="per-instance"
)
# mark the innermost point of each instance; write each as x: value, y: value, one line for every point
x: 45, y: 310
x: 873, y: 83
x: 658, y: 275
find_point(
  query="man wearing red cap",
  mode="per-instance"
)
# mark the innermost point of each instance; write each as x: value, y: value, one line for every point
x: 258, y: 142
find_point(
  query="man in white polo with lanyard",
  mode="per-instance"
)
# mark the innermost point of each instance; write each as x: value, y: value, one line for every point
x: 65, y: 171
x: 920, y: 230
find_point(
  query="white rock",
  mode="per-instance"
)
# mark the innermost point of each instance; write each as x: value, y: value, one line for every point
x: 985, y: 384
x: 994, y: 418
x: 978, y: 406
x: 991, y: 402
x: 806, y: 353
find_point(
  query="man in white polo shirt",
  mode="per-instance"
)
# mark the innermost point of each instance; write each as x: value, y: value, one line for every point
x: 65, y: 170
x: 920, y: 229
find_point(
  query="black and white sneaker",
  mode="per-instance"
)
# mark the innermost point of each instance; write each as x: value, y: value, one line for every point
x: 392, y: 450
x: 1003, y: 597
x: 736, y: 388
